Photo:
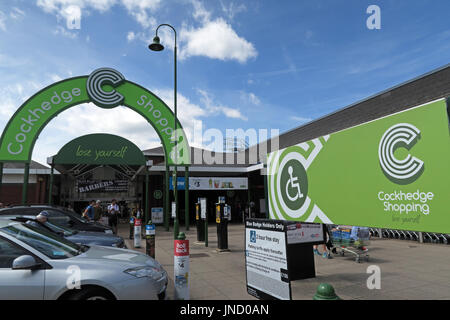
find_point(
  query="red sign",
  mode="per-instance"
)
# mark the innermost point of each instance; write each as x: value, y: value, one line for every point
x: 137, y: 222
x: 181, y: 248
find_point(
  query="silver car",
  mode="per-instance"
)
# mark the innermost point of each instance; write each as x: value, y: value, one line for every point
x: 36, y: 264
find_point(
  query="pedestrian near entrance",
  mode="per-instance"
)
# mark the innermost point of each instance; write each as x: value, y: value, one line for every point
x: 137, y: 212
x: 113, y: 212
x: 89, y: 211
x: 98, y: 211
x: 327, y: 246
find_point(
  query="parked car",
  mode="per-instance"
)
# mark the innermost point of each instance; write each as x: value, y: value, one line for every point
x: 37, y: 264
x: 57, y: 215
x: 79, y: 237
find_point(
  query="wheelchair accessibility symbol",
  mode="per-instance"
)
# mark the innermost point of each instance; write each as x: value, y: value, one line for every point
x: 293, y: 184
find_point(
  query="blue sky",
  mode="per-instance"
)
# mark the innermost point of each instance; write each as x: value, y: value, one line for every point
x: 242, y: 64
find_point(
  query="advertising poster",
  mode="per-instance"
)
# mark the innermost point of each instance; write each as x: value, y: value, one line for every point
x: 212, y: 183
x: 157, y: 215
x: 392, y: 173
x: 266, y: 261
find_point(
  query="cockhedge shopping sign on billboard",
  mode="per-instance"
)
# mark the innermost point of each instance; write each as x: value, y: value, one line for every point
x: 393, y: 172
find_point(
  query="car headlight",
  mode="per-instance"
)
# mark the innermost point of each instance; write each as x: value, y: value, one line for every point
x: 147, y: 271
x: 108, y: 231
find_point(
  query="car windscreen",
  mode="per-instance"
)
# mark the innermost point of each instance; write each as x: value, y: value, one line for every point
x: 44, y: 241
x: 73, y: 215
x: 60, y: 229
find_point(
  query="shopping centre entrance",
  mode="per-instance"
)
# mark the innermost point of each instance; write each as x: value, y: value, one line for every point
x: 107, y: 88
x: 100, y: 167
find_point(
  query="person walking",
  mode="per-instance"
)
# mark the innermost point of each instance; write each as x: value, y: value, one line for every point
x: 113, y: 212
x: 327, y: 245
x: 98, y: 211
x: 89, y: 211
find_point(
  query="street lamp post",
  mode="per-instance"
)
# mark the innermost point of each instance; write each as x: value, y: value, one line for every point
x: 157, y: 46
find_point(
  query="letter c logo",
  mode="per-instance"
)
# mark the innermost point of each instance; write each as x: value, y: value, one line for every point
x: 403, y: 171
x: 102, y: 98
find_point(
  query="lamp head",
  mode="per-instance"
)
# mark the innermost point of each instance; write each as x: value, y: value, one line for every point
x: 156, y: 45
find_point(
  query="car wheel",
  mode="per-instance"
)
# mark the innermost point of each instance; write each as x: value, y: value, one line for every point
x: 91, y: 294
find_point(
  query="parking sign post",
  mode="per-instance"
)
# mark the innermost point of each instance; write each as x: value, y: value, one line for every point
x: 181, y: 267
x: 150, y: 233
x: 137, y: 233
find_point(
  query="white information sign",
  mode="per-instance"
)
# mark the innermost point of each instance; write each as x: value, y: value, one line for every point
x: 203, y: 208
x: 266, y: 259
x: 174, y: 210
x: 157, y: 215
x: 303, y: 232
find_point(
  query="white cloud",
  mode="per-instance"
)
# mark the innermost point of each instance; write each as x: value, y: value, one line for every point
x: 140, y: 10
x: 65, y: 32
x: 141, y: 4
x: 68, y: 10
x: 254, y: 99
x: 212, y: 38
x: 56, y: 6
x: 200, y: 13
x: 71, y: 11
x: 214, y: 109
x: 232, y: 9
x: 250, y: 97
x: 16, y: 13
x: 216, y: 40
x: 131, y: 36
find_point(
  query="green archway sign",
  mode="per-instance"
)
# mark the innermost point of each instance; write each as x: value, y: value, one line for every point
x: 106, y: 88
x: 100, y: 149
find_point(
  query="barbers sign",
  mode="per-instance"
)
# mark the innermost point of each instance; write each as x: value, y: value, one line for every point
x: 85, y: 186
x: 392, y: 172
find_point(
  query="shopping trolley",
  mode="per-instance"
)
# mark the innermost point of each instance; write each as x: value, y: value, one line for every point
x: 353, y: 240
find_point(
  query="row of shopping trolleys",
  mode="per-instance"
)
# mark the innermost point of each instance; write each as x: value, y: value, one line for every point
x: 410, y: 235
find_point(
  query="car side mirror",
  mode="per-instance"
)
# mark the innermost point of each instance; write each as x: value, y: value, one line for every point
x: 25, y: 262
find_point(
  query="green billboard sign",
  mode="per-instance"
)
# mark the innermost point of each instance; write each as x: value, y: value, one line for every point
x: 392, y: 172
x: 105, y: 87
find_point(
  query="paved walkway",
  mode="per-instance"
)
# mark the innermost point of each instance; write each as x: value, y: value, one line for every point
x: 409, y: 270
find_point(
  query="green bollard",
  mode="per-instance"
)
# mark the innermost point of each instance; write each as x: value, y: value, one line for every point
x: 325, y: 291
